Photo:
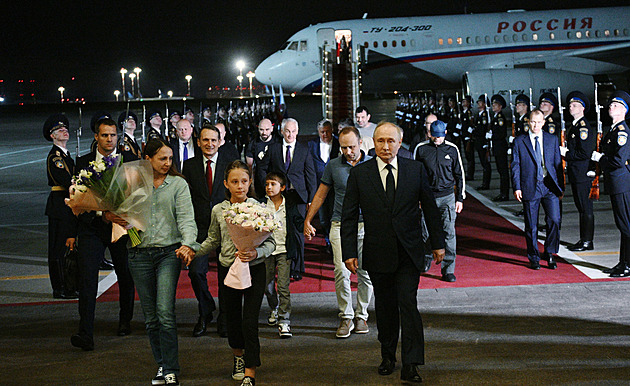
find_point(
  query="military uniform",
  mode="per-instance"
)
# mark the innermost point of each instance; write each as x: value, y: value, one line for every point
x: 552, y: 124
x: 453, y: 127
x: 153, y: 133
x: 481, y: 145
x: 467, y: 128
x: 129, y: 147
x: 581, y: 142
x: 62, y: 224
x: 498, y: 126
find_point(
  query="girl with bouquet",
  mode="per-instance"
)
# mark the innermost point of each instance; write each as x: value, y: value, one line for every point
x: 243, y: 305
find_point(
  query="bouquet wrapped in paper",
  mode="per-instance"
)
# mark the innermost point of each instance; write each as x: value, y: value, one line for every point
x: 124, y: 189
x: 249, y: 225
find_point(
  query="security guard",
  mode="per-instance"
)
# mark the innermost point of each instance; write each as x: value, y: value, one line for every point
x: 62, y: 224
x: 443, y: 164
x: 467, y: 128
x: 481, y: 142
x: 155, y: 125
x: 129, y: 148
x: 613, y: 160
x: 498, y: 127
x: 547, y: 104
x: 95, y: 118
x: 581, y: 142
x: 453, y: 126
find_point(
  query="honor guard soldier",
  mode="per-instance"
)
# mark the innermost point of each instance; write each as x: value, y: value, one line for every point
x: 498, y: 127
x: 453, y: 127
x: 222, y: 115
x: 62, y: 224
x: 442, y: 111
x: 95, y: 118
x: 173, y: 118
x: 481, y: 142
x: 207, y: 115
x: 467, y: 128
x: 189, y: 115
x: 581, y: 142
x: 155, y: 125
x: 613, y: 160
x: 130, y: 150
x: 521, y: 126
x: 547, y: 104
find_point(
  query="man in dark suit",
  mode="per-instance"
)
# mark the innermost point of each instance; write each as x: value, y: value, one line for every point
x: 184, y: 146
x: 392, y: 246
x: 205, y: 174
x: 293, y: 159
x: 94, y: 235
x: 536, y: 177
x: 323, y: 150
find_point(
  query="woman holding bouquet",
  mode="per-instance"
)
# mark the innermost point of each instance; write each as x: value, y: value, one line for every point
x: 243, y: 305
x: 171, y: 234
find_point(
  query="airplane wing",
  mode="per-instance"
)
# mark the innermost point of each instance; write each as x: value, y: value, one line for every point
x: 613, y: 53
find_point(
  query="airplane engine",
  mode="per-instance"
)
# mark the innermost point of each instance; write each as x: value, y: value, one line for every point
x: 519, y: 80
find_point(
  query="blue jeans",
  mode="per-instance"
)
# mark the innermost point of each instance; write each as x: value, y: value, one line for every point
x: 156, y: 272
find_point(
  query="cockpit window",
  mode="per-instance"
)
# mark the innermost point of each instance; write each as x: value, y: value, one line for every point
x: 293, y: 46
x: 303, y: 46
x: 284, y: 46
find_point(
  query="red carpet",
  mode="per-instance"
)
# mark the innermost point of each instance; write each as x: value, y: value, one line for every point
x: 491, y: 252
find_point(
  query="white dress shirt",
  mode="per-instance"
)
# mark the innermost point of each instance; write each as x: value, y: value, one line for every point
x: 284, y: 150
x: 213, y: 164
x: 383, y: 171
x: 191, y: 152
x: 324, y: 150
x: 532, y: 138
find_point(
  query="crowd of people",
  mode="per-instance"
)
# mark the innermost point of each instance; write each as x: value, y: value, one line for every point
x: 362, y: 184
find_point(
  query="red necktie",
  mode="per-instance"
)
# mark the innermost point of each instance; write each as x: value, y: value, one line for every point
x: 209, y: 176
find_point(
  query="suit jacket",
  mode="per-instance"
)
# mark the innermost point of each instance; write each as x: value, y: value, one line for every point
x: 384, y: 225
x: 301, y: 173
x: 313, y: 147
x: 524, y: 167
x: 203, y: 200
x: 175, y: 146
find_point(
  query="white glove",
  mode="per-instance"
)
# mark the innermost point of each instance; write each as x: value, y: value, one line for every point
x: 563, y: 150
x: 471, y: 129
x: 458, y: 126
x: 485, y: 146
x: 510, y: 139
x: 489, y: 135
x: 596, y: 156
x: 509, y: 151
x: 455, y: 134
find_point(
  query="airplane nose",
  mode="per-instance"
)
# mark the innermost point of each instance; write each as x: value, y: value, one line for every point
x: 264, y: 72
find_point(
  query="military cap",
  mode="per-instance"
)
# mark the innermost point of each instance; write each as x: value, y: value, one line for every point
x: 54, y: 122
x: 496, y: 98
x: 522, y: 98
x: 99, y: 115
x: 483, y: 98
x: 173, y: 113
x: 548, y: 97
x: 452, y: 98
x: 623, y: 98
x: 124, y: 117
x: 206, y: 108
x: 188, y: 110
x: 468, y: 98
x: 438, y: 129
x: 153, y: 114
x: 222, y: 108
x: 576, y: 96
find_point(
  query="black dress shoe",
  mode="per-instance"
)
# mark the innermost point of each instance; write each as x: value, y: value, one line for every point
x: 83, y: 342
x: 201, y: 326
x: 621, y: 271
x: 409, y: 373
x: 613, y: 269
x: 551, y: 262
x: 106, y: 265
x: 581, y: 246
x: 124, y: 328
x: 449, y: 277
x: 483, y: 187
x: 534, y: 265
x: 296, y: 277
x: 387, y: 366
x: 427, y: 264
x: 500, y: 198
x: 519, y: 213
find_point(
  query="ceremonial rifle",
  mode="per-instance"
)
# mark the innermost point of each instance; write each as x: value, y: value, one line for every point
x: 200, y: 115
x: 489, y: 148
x: 594, y: 194
x: 144, y: 124
x: 78, y: 132
x: 121, y: 139
x: 167, y: 119
x: 563, y: 134
x: 531, y: 99
x: 216, y: 115
x: 513, y: 128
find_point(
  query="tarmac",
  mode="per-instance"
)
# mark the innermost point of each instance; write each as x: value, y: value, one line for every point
x: 527, y: 335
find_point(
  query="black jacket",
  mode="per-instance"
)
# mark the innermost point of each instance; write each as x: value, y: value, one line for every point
x: 581, y: 141
x: 443, y: 165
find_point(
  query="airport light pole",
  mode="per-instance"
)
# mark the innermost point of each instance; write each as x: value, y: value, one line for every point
x: 251, y: 76
x: 123, y: 71
x: 132, y: 76
x: 170, y: 93
x: 61, y: 90
x: 188, y: 79
x: 138, y: 70
x: 116, y: 93
x: 240, y: 65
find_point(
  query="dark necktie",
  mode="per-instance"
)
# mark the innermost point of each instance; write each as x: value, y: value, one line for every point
x: 185, y: 151
x: 539, y: 173
x: 390, y: 185
x: 287, y: 160
x: 209, y: 175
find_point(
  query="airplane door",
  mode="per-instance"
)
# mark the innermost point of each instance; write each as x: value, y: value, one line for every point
x: 325, y: 37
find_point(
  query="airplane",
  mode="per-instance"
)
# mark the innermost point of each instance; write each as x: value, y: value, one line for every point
x: 478, y: 53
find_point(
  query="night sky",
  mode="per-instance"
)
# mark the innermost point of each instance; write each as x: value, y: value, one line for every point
x: 59, y: 40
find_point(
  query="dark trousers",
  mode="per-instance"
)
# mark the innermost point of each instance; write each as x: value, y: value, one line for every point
x: 551, y: 205
x: 91, y: 250
x: 56, y: 253
x: 469, y: 153
x: 242, y: 310
x: 500, y: 148
x: 396, y: 307
x: 484, y: 160
x: 197, y: 272
x: 297, y: 264
x: 621, y: 211
x: 584, y: 206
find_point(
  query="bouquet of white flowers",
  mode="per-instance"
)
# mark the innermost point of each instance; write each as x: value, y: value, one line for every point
x: 249, y: 225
